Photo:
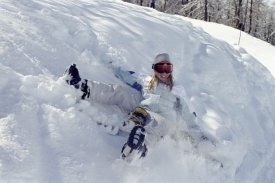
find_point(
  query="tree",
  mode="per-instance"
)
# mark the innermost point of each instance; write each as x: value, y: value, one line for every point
x: 205, y: 10
x: 238, y: 12
x: 251, y: 16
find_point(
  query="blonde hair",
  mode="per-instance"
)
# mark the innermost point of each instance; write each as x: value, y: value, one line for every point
x: 155, y: 82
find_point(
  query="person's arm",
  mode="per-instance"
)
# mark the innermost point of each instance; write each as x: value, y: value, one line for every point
x: 129, y: 77
x: 178, y: 90
x: 188, y: 111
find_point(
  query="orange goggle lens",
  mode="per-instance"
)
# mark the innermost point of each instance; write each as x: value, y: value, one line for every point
x: 161, y: 68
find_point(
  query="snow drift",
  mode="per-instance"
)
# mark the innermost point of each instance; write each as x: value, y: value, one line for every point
x: 45, y: 136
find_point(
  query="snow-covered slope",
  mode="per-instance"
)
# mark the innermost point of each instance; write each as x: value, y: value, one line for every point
x: 262, y: 51
x: 46, y: 137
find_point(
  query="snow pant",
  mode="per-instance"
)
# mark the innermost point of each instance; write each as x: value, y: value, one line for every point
x: 157, y: 127
x: 112, y: 94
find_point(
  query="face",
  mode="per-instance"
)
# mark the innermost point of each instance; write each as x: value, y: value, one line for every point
x: 163, y: 76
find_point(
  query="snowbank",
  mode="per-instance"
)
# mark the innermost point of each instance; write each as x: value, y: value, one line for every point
x: 45, y: 136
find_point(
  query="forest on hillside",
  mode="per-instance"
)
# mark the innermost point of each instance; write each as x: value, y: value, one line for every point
x: 254, y: 17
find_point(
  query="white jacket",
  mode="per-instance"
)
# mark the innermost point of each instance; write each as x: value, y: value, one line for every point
x: 169, y: 110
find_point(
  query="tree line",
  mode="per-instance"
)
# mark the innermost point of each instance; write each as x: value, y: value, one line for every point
x: 254, y: 17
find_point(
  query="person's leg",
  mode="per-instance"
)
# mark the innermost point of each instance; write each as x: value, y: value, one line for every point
x: 112, y: 94
x: 135, y: 147
x: 143, y: 138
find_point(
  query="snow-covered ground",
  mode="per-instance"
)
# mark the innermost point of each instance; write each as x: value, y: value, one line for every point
x: 271, y: 3
x: 255, y: 47
x: 46, y: 137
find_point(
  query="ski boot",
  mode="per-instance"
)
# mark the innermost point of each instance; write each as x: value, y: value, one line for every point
x: 135, y: 147
x: 73, y: 78
x: 138, y: 117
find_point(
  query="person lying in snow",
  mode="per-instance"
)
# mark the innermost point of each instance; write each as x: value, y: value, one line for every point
x: 157, y: 107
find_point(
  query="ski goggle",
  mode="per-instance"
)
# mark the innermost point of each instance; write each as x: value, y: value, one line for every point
x: 163, y: 67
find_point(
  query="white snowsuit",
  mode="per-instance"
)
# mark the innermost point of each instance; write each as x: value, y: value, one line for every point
x: 168, y: 109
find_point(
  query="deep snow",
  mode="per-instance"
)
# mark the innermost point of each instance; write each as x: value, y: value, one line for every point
x: 46, y: 137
